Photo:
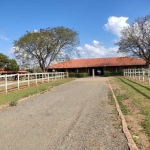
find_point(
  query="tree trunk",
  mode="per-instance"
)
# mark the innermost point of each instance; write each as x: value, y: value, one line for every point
x: 43, y: 69
x: 147, y: 64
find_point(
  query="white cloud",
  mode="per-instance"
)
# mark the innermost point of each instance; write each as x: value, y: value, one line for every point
x: 116, y: 24
x: 35, y: 31
x: 3, y: 37
x: 96, y: 50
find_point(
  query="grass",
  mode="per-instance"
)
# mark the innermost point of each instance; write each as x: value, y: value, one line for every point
x: 112, y: 100
x: 120, y: 98
x: 123, y: 107
x: 114, y: 111
x: 140, y: 94
x: 13, y: 97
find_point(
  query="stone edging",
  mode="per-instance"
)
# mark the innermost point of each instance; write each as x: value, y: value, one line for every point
x: 131, y: 142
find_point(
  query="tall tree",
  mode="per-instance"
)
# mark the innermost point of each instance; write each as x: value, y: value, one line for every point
x: 46, y: 45
x: 135, y: 39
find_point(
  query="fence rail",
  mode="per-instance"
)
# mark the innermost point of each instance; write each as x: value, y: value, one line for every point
x: 19, y: 80
x: 138, y: 74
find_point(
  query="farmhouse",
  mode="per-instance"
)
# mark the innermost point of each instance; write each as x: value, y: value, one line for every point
x: 97, y: 65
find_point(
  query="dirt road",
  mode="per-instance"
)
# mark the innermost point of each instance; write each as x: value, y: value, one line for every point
x: 73, y: 116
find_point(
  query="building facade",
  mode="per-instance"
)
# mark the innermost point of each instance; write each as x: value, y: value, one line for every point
x: 98, y: 65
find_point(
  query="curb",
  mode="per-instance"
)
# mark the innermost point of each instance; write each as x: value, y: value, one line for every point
x: 131, y: 142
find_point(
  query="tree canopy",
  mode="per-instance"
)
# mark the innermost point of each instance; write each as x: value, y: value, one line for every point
x: 12, y: 65
x: 46, y: 45
x: 135, y: 39
x: 3, y: 60
x: 8, y: 64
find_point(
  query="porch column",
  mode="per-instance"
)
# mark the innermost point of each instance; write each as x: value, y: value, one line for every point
x: 93, y: 73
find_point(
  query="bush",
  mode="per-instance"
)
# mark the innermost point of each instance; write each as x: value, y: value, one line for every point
x: 72, y: 74
x: 113, y: 73
x: 106, y: 73
x: 118, y: 73
x: 82, y: 75
x: 78, y: 75
x: 13, y: 103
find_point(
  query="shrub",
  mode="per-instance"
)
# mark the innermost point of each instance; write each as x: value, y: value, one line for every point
x: 118, y: 73
x: 13, y: 103
x: 78, y: 75
x: 82, y: 75
x: 106, y: 73
x: 72, y: 74
x: 113, y: 73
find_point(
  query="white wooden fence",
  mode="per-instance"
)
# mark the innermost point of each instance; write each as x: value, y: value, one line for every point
x: 138, y: 74
x: 28, y: 79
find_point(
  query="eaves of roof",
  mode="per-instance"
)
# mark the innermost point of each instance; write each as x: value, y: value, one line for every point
x: 98, y: 62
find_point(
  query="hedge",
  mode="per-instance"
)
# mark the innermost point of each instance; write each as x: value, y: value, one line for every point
x: 118, y: 73
x: 78, y: 75
x: 84, y: 74
x: 108, y: 73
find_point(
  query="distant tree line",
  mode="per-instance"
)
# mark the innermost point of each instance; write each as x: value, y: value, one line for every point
x: 8, y: 64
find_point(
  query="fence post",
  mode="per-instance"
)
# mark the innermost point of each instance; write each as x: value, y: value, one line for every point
x: 55, y: 75
x: 148, y: 75
x: 18, y: 80
x: 52, y: 76
x: 143, y: 73
x: 139, y: 73
x: 28, y: 80
x: 36, y: 77
x: 6, y: 83
x: 135, y: 73
x: 48, y: 77
x: 58, y: 75
x: 67, y: 75
x: 42, y: 77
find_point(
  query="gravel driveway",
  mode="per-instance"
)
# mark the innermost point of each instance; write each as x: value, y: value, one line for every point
x: 73, y: 116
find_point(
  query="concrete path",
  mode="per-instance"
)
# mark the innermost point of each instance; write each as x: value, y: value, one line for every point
x: 73, y: 116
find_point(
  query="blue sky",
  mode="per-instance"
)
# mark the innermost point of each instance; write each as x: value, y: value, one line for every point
x: 97, y: 22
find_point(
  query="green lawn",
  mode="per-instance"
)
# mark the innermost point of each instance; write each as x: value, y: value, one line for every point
x: 140, y: 93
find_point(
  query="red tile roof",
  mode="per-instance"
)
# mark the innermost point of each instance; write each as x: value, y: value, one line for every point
x: 22, y: 71
x: 98, y: 62
x: 2, y: 71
